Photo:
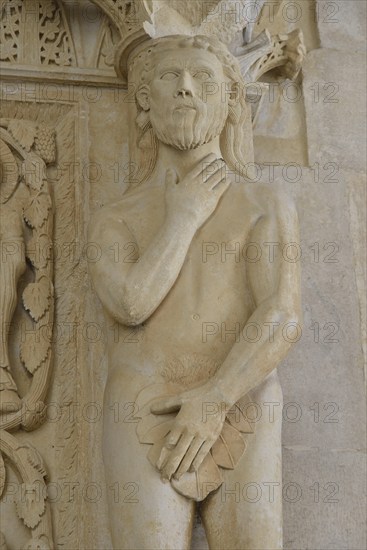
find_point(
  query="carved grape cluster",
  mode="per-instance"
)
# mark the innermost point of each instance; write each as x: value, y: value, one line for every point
x: 44, y: 144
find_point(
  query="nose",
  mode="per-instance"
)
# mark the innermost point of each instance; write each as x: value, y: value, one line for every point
x: 184, y: 86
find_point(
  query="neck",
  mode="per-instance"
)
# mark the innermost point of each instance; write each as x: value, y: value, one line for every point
x: 183, y: 161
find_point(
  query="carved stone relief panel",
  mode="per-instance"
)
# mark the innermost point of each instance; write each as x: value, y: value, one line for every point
x: 40, y: 381
x: 35, y: 33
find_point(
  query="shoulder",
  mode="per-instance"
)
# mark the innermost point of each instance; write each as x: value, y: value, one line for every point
x: 108, y: 223
x: 106, y: 216
x: 271, y: 200
x: 266, y: 198
x: 115, y: 216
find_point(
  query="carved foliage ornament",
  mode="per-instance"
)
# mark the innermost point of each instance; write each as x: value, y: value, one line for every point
x: 35, y: 33
x: 31, y: 505
x: 36, y: 147
x: 26, y: 227
x: 139, y: 20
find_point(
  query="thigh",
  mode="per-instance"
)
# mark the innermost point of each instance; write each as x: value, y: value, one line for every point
x: 246, y: 512
x: 145, y: 512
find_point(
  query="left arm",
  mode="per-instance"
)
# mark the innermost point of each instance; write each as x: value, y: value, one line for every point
x: 275, y: 286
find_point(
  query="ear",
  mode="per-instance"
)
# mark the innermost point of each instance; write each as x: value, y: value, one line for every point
x: 142, y: 97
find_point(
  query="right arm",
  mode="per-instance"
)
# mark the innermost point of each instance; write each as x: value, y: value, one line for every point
x: 131, y: 292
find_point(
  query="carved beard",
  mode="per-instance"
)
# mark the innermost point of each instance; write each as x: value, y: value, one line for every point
x: 188, y: 129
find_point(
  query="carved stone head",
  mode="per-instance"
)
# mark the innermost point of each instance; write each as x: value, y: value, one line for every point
x: 189, y: 90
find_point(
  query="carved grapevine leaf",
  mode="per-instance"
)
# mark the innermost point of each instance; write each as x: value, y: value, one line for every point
x: 2, y: 475
x: 23, y: 132
x: 34, y: 416
x: 36, y: 213
x: 36, y: 298
x: 34, y: 171
x: 35, y: 460
x: 39, y: 250
x: 31, y: 506
x: 34, y: 350
x: 8, y: 172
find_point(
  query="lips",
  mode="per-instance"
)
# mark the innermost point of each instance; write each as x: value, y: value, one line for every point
x: 185, y: 108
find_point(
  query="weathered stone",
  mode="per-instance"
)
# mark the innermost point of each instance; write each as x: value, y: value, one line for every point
x: 333, y: 85
x: 342, y: 25
x: 60, y: 94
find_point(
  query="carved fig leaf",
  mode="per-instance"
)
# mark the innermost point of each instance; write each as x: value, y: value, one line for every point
x: 228, y: 448
x: 156, y: 433
x: 150, y: 422
x: 36, y: 298
x: 237, y: 418
x: 23, y: 132
x: 197, y: 485
x: 2, y: 475
x: 39, y: 250
x: 31, y: 506
x: 34, y: 350
x: 225, y: 453
x: 34, y: 171
x: 149, y: 393
x: 36, y: 213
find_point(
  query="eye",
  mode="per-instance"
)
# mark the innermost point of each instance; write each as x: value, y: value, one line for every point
x: 169, y: 75
x: 202, y: 75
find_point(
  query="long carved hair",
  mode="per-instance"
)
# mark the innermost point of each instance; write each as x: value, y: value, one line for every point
x: 236, y: 141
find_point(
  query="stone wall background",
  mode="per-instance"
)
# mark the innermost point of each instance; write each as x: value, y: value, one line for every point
x: 323, y: 135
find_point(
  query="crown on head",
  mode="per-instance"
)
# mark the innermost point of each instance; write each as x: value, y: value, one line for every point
x: 141, y: 20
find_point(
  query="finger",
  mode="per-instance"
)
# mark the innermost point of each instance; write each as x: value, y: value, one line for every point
x: 176, y: 456
x: 163, y: 457
x: 172, y: 438
x: 202, y: 165
x: 170, y: 442
x: 204, y: 450
x: 189, y: 457
x: 215, y: 178
x: 222, y: 186
x: 166, y: 405
x: 209, y: 171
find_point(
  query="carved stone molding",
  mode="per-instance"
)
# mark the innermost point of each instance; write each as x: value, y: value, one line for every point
x: 128, y: 23
x: 37, y: 43
x: 33, y: 132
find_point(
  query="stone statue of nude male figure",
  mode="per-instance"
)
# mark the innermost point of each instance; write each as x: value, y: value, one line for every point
x: 174, y: 368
